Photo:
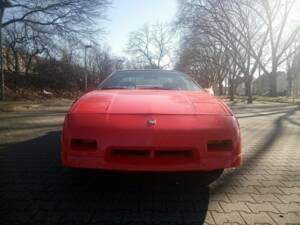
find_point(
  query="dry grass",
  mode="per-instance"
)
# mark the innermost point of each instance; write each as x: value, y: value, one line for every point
x: 36, y: 105
x: 264, y: 99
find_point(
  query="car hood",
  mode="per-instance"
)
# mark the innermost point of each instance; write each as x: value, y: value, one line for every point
x: 149, y: 102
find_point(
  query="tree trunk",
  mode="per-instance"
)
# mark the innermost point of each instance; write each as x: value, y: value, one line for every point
x: 225, y: 87
x: 220, y: 88
x: 248, y: 85
x: 16, y: 63
x: 16, y: 70
x: 8, y: 60
x: 28, y: 65
x: 290, y: 83
x: 231, y: 92
x: 273, y: 83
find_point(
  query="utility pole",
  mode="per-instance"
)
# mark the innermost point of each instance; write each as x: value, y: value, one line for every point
x: 85, y: 66
x: 3, y: 4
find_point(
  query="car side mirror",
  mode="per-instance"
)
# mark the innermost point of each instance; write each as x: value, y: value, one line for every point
x: 209, y: 91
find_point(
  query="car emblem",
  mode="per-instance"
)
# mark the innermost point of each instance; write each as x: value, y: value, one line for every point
x: 151, y: 122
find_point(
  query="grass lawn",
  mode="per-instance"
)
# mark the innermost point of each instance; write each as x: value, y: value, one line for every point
x: 30, y: 105
x: 262, y: 99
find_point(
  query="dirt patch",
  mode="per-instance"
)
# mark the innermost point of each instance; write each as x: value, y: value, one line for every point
x: 37, y: 105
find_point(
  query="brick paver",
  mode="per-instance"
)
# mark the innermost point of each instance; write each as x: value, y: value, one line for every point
x: 36, y: 189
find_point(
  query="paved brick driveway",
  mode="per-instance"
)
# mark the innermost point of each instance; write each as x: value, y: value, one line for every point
x: 35, y: 189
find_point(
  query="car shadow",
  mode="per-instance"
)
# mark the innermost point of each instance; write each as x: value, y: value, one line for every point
x: 260, y: 151
x: 36, y: 189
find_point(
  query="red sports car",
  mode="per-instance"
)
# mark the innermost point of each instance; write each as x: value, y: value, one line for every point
x: 150, y: 120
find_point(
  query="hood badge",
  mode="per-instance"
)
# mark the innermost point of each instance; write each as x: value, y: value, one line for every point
x: 151, y: 122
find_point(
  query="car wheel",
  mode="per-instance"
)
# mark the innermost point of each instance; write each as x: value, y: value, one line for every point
x: 203, y: 178
x: 208, y: 177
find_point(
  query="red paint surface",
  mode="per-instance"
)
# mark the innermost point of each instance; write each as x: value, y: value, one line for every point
x: 118, y: 120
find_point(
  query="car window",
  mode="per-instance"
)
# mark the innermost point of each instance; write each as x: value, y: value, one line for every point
x: 149, y: 80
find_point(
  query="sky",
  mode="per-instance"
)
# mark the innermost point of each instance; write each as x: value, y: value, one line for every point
x: 129, y: 15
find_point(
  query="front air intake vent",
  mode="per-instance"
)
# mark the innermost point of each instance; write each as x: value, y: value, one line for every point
x: 176, y: 153
x: 130, y: 152
x: 84, y: 145
x: 219, y: 146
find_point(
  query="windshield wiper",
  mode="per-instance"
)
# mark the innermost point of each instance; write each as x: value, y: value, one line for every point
x: 106, y: 88
x: 157, y: 88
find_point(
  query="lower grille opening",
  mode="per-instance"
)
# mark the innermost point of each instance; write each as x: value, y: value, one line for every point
x: 177, y: 153
x: 152, y: 157
x: 219, y: 146
x: 125, y: 152
x: 84, y: 144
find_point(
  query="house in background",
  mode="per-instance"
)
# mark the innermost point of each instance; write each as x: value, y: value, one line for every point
x: 294, y: 75
x: 240, y: 86
x: 261, y: 85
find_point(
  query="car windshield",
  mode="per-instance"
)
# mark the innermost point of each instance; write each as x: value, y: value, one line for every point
x: 149, y: 80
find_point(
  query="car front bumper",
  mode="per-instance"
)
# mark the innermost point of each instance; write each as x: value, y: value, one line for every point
x: 128, y: 143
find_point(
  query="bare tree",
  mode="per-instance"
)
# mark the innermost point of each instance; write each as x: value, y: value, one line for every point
x: 231, y: 24
x: 294, y: 76
x: 101, y: 63
x: 276, y: 15
x: 61, y: 17
x: 24, y: 44
x: 257, y: 34
x: 151, y: 46
x: 34, y: 27
x: 205, y: 60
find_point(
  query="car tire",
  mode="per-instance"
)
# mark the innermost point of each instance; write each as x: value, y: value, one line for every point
x: 200, y: 178
x: 209, y: 177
